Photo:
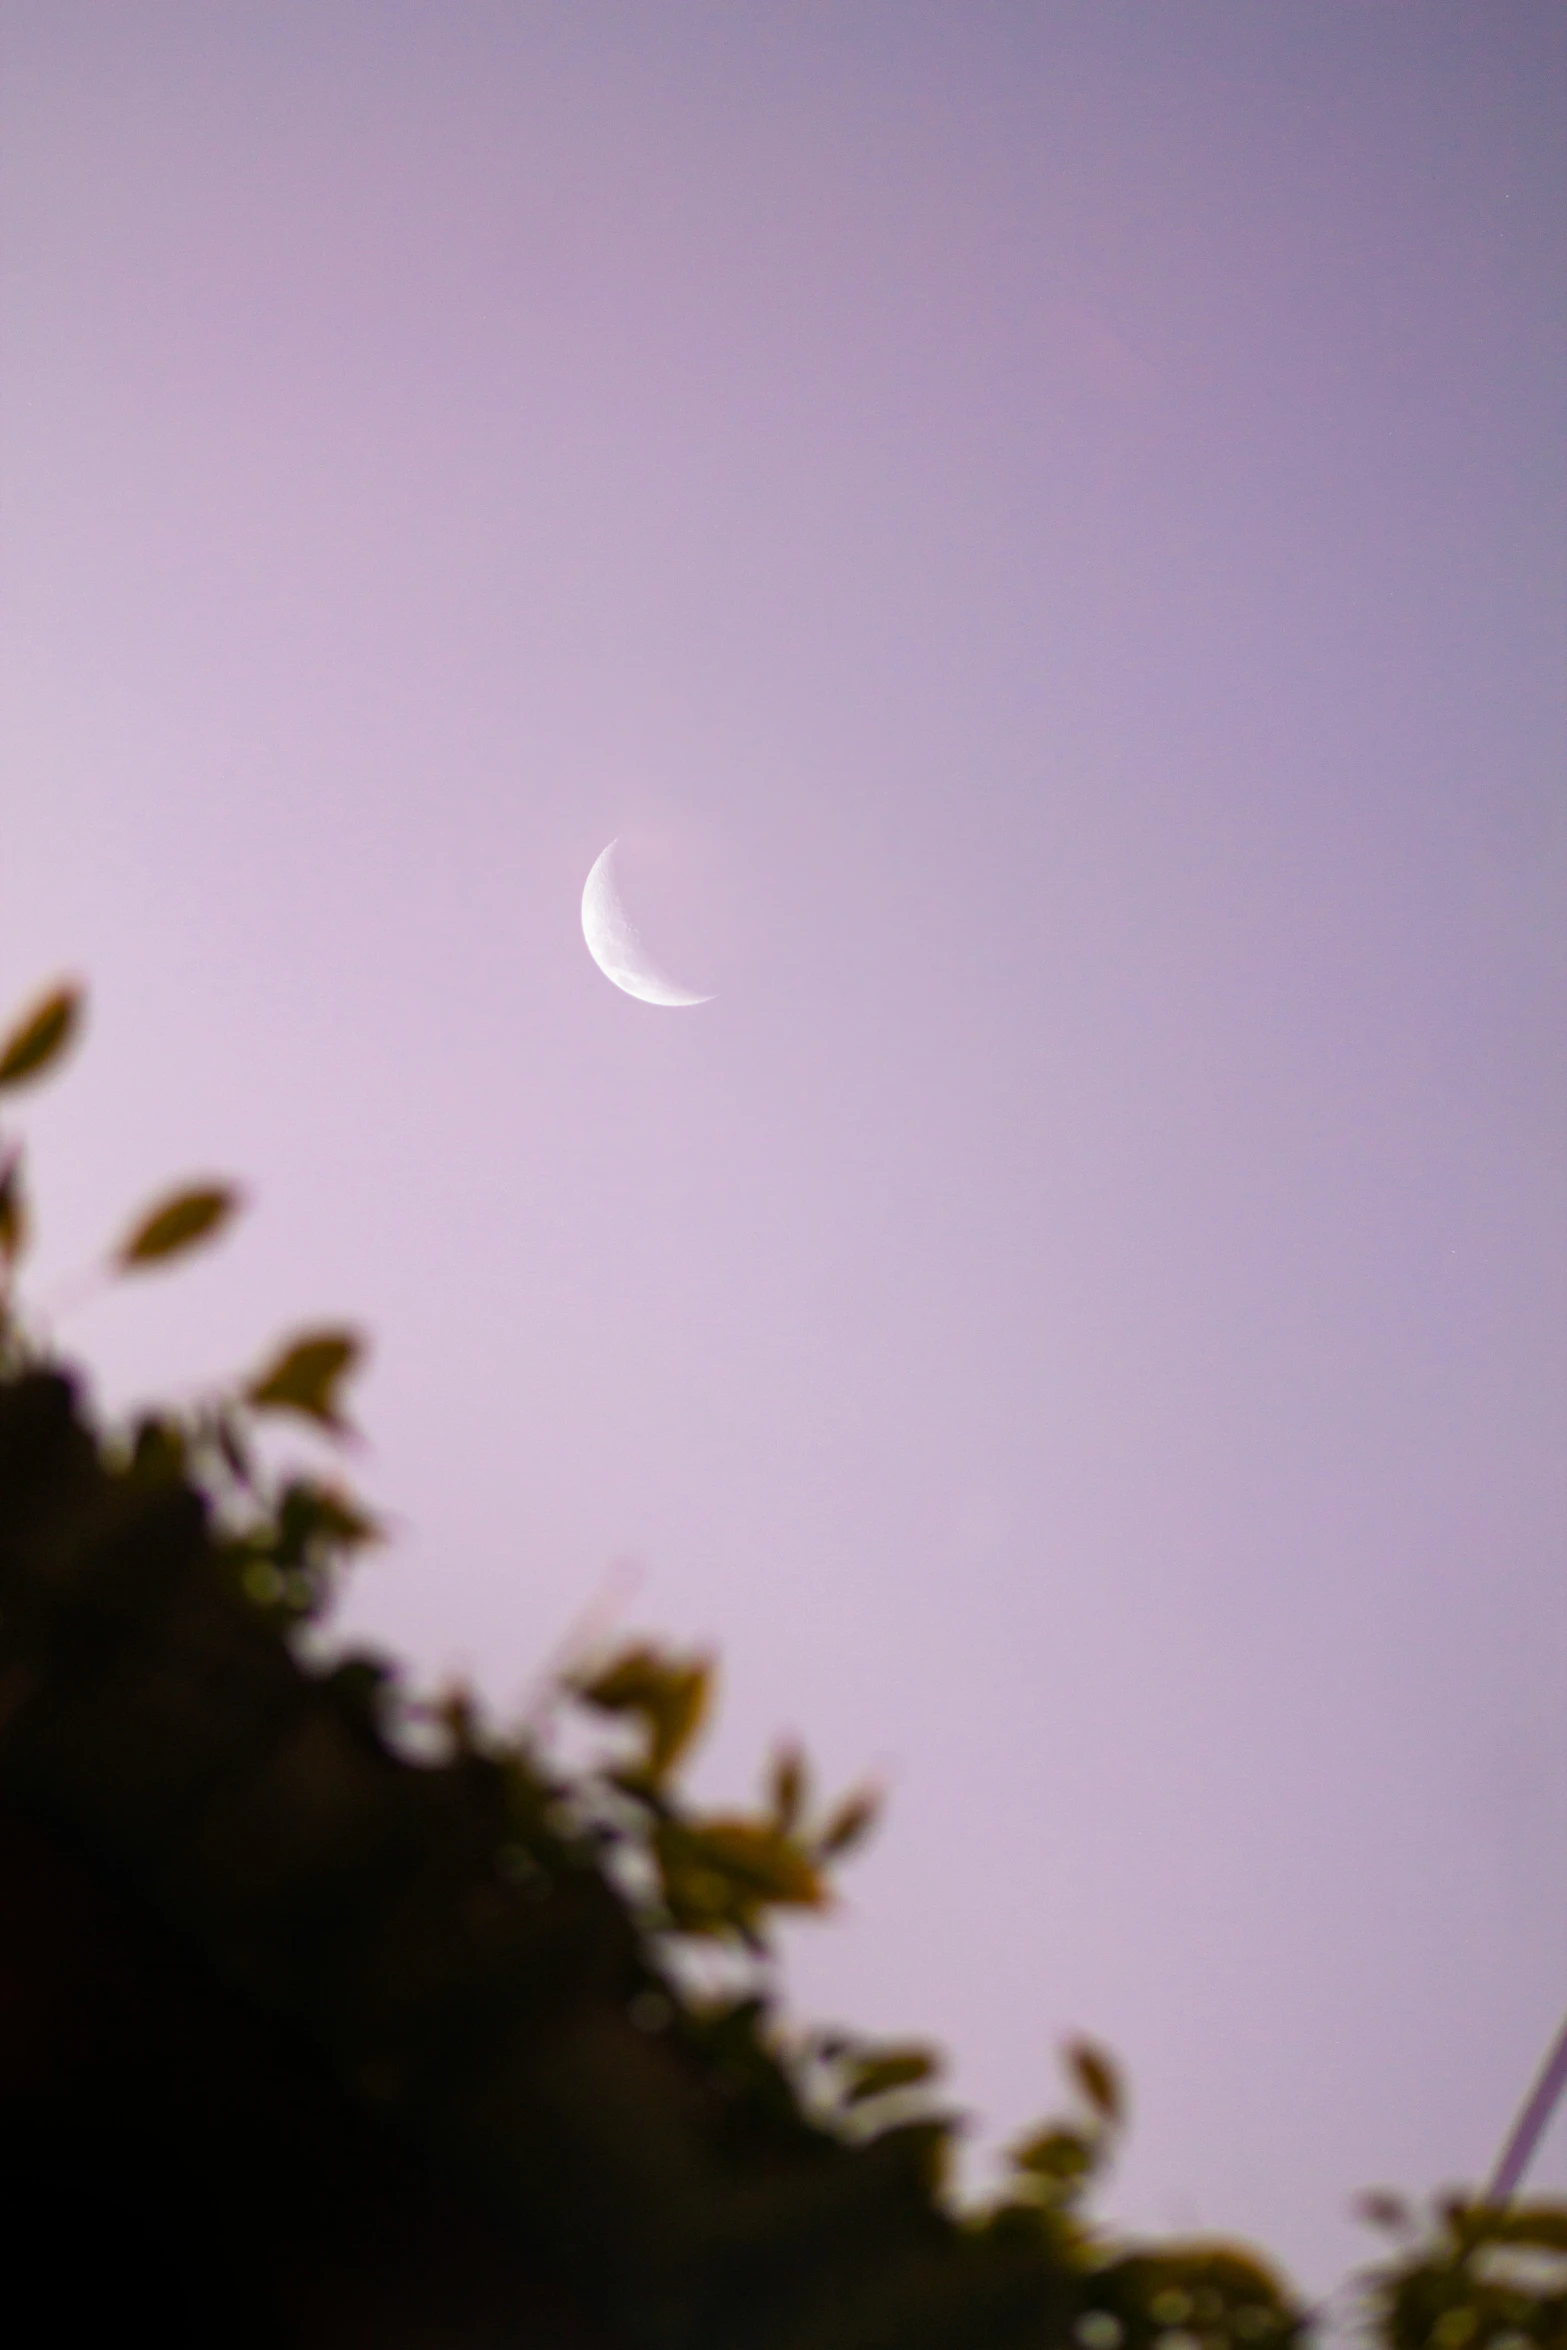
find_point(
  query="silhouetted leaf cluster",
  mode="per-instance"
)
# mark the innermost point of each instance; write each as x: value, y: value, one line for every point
x: 1471, y: 2276
x: 498, y: 1963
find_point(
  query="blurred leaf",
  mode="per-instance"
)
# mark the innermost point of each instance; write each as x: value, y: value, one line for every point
x: 1214, y: 2291
x: 1098, y: 2077
x: 677, y: 1715
x: 723, y: 1873
x: 158, y: 1451
x: 636, y: 1780
x: 1526, y: 2223
x: 790, y: 1781
x: 670, y: 1696
x: 40, y: 1037
x: 231, y: 1444
x: 756, y: 1856
x: 13, y: 1210
x: 177, y: 1223
x: 850, y: 1824
x: 341, y: 1520
x: 699, y: 1900
x: 1518, y: 2265
x: 285, y: 1562
x: 895, y: 2068
x: 310, y: 1515
x: 628, y: 1684
x: 1057, y: 2159
x: 306, y: 1376
x: 362, y: 1684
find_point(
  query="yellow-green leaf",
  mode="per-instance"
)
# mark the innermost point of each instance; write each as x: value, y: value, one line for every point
x: 340, y: 1519
x: 306, y: 1376
x: 895, y: 2068
x: 721, y: 1874
x: 40, y: 1036
x: 756, y: 1857
x: 678, y: 1716
x: 670, y: 1695
x: 1058, y: 2159
x: 177, y: 1223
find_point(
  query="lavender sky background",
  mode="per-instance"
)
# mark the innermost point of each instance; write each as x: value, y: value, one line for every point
x: 1041, y: 525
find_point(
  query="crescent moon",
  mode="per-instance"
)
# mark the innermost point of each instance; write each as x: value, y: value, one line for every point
x: 616, y: 945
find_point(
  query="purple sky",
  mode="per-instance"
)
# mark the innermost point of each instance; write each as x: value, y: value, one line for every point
x: 1042, y: 527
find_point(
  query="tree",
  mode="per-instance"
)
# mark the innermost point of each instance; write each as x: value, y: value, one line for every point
x: 331, y: 2015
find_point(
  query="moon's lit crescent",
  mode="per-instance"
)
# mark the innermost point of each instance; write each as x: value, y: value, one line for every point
x: 615, y: 945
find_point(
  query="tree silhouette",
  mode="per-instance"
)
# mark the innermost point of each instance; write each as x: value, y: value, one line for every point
x: 332, y: 2016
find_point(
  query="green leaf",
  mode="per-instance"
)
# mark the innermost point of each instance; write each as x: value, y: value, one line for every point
x: 670, y: 1696
x: 700, y: 1899
x: 722, y: 1873
x: 895, y: 2068
x: 177, y: 1223
x: 306, y: 1376
x: 1098, y: 2077
x: 755, y: 1856
x: 850, y: 1824
x: 40, y: 1037
x: 1058, y: 2160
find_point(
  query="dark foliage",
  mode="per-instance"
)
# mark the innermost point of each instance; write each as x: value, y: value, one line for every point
x: 308, y: 2037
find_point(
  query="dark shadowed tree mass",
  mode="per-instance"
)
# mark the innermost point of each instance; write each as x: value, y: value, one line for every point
x: 334, y: 2015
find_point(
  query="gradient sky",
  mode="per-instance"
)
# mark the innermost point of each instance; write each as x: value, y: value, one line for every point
x: 1042, y: 528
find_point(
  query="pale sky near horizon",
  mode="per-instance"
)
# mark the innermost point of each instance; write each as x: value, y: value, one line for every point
x: 1041, y: 526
